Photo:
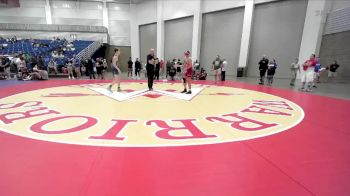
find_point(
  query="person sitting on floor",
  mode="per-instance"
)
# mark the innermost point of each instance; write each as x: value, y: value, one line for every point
x: 203, y: 75
x: 37, y: 74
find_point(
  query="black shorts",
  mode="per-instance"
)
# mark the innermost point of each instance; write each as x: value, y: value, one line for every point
x: 99, y: 70
x: 115, y: 71
x: 262, y: 72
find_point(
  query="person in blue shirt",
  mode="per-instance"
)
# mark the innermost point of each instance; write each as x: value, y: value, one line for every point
x: 76, y: 66
x: 317, y: 71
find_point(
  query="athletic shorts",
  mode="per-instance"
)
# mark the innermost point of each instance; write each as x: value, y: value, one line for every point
x: 332, y: 74
x: 308, y: 75
x: 189, y: 73
x: 115, y: 71
x: 216, y: 71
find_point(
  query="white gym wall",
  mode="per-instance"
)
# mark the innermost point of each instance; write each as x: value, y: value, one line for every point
x: 221, y: 35
x: 276, y: 32
x: 178, y: 37
x: 148, y: 39
x: 30, y: 12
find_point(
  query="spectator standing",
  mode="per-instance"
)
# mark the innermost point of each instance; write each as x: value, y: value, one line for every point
x: 271, y: 69
x: 168, y: 66
x: 137, y: 69
x: 223, y: 69
x: 99, y: 68
x: 294, y: 68
x: 308, y: 74
x: 76, y: 66
x: 216, y: 67
x: 130, y: 64
x: 172, y: 72
x: 90, y: 68
x: 263, y: 63
x: 70, y: 69
x: 157, y: 69
x: 332, y: 70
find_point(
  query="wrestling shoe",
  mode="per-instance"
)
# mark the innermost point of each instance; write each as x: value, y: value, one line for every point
x: 110, y: 89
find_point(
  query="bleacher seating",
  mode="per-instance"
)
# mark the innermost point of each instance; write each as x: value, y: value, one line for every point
x: 43, y: 48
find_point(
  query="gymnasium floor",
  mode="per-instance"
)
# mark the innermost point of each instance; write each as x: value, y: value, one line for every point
x: 71, y: 137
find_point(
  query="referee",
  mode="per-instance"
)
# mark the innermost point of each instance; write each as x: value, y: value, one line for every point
x: 150, y: 69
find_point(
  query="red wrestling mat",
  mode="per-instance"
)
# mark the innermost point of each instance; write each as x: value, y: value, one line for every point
x: 288, y: 151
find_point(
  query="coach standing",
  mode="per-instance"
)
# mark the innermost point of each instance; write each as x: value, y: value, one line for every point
x: 150, y: 69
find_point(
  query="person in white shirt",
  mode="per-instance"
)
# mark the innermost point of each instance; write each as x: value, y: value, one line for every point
x: 294, y: 68
x: 196, y: 65
x: 223, y: 69
x: 216, y: 67
x: 52, y: 66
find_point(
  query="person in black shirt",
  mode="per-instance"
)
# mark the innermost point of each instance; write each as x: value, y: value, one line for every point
x: 157, y: 69
x: 178, y: 68
x: 168, y: 65
x: 137, y: 68
x: 130, y: 63
x: 333, y: 70
x: 262, y: 68
x: 172, y: 72
x: 5, y: 65
x: 90, y: 68
x: 150, y: 69
x: 99, y: 68
x: 271, y: 70
x: 40, y: 63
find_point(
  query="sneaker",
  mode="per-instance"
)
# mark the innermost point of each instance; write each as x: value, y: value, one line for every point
x: 308, y: 90
x: 302, y: 89
x: 189, y: 92
x: 69, y: 77
x: 184, y: 91
x: 119, y: 89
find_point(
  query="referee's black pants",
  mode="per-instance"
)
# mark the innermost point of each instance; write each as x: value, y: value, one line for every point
x: 150, y: 76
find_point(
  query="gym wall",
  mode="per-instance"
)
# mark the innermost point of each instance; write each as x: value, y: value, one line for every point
x: 221, y: 35
x: 30, y: 12
x: 119, y: 24
x: 148, y: 40
x: 277, y: 30
x: 336, y: 46
x: 177, y: 37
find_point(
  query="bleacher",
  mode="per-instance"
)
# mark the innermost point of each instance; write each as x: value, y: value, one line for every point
x: 43, y: 48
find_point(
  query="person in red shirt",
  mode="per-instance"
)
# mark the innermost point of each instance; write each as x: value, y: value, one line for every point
x: 187, y: 73
x: 162, y: 68
x: 308, y: 73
